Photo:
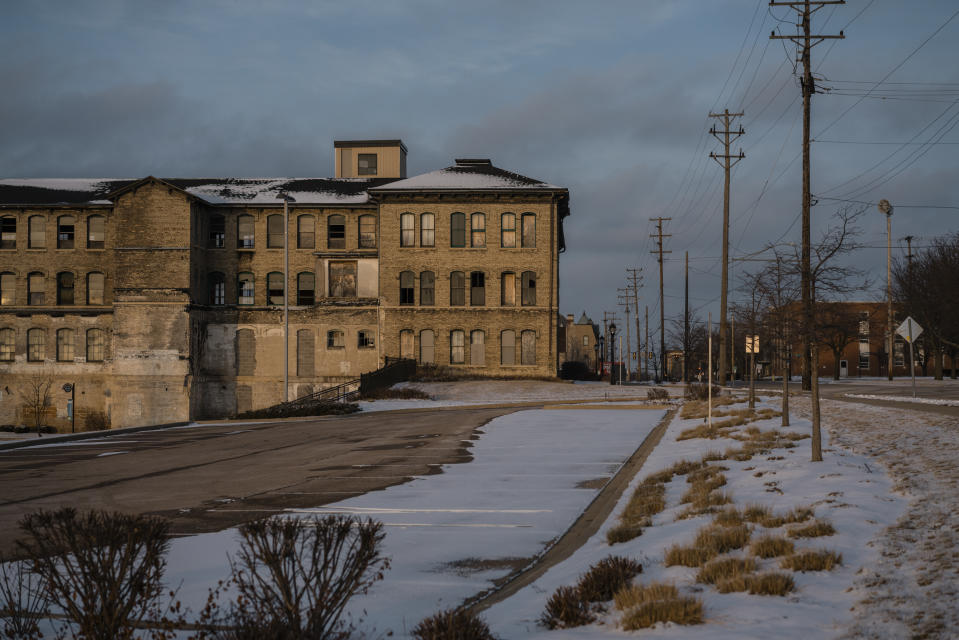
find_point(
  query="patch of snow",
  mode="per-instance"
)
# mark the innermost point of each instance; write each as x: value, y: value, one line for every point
x: 112, y: 453
x: 456, y: 178
x: 937, y: 401
x: 61, y: 184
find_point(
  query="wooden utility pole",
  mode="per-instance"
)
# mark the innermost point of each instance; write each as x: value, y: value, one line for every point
x: 624, y: 302
x: 662, y: 315
x: 686, y: 327
x: 908, y: 240
x: 646, y: 353
x: 805, y: 41
x: 727, y: 161
x: 637, y: 278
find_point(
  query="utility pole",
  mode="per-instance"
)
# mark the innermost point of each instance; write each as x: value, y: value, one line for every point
x: 908, y: 240
x: 608, y: 317
x: 686, y: 327
x: 662, y: 316
x: 624, y: 301
x: 646, y: 353
x: 637, y: 283
x: 727, y: 161
x: 805, y: 41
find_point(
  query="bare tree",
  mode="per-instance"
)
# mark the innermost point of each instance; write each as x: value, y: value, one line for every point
x: 838, y: 328
x: 780, y: 284
x: 35, y: 394
x: 749, y: 311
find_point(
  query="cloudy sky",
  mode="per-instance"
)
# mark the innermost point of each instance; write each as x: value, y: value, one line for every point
x: 608, y: 98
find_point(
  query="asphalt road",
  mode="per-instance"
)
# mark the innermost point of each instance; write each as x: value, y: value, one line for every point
x: 925, y: 388
x: 213, y: 476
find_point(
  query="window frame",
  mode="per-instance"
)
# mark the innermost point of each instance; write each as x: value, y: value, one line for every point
x: 336, y: 231
x: 366, y: 239
x: 8, y: 344
x: 507, y: 231
x: 457, y: 346
x: 245, y: 231
x: 272, y: 278
x: 216, y: 288
x: 66, y: 233
x: 369, y: 168
x: 31, y: 292
x: 407, y: 288
x: 305, y: 239
x: 427, y: 278
x: 66, y: 283
x: 216, y: 236
x: 477, y: 291
x: 100, y: 221
x: 301, y: 299
x: 528, y: 240
x: 528, y: 289
x: 478, y: 230
x: 425, y: 345
x: 37, y: 232
x: 275, y: 237
x: 65, y: 340
x: 335, y: 339
x: 8, y: 237
x: 407, y: 230
x: 36, y: 348
x: 96, y: 340
x: 507, y: 346
x: 457, y: 230
x: 8, y: 288
x: 355, y: 273
x: 427, y: 232
x: 366, y: 339
x: 240, y: 290
x: 457, y: 289
x: 507, y: 295
x: 407, y: 344
x: 477, y: 349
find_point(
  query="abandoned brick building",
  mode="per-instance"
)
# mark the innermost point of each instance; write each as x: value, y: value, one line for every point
x: 162, y: 299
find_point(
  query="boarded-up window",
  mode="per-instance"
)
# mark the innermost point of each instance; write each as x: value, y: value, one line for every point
x: 305, y: 286
x: 406, y: 287
x: 478, y: 348
x: 407, y: 230
x: 406, y: 343
x: 245, y: 352
x: 336, y: 232
x: 305, y: 348
x: 457, y: 346
x: 427, y: 346
x: 306, y: 232
x: 37, y: 232
x: 65, y: 345
x: 457, y: 289
x: 274, y: 231
x: 8, y: 286
x: 244, y: 398
x: 528, y: 342
x: 96, y: 342
x: 477, y: 289
x: 95, y: 287
x: 529, y: 288
x: 427, y: 289
x: 507, y: 351
x: 367, y: 230
x: 508, y: 290
x: 529, y: 230
x: 65, y: 281
x: 427, y: 230
x: 96, y: 232
x: 508, y: 230
x: 343, y: 279
x: 458, y: 230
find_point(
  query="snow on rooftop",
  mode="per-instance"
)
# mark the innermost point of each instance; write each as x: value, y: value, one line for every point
x: 469, y: 174
x: 93, y: 185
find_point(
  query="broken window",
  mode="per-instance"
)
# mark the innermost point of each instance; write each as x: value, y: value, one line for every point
x: 407, y: 230
x: 478, y: 348
x: 65, y: 345
x: 457, y: 346
x: 217, y: 288
x: 305, y: 287
x: 427, y: 289
x: 367, y: 229
x: 427, y: 345
x: 335, y: 339
x: 477, y: 289
x: 244, y: 288
x: 427, y: 230
x: 343, y: 279
x: 528, y: 344
x: 306, y: 232
x: 365, y: 339
x: 507, y: 349
x: 65, y: 286
x: 336, y: 232
x: 478, y: 230
x: 244, y: 232
x: 458, y: 230
x: 274, y: 288
x: 65, y: 231
x: 406, y: 287
x: 217, y: 231
x: 529, y: 288
x: 508, y: 230
x: 95, y: 345
x: 457, y: 289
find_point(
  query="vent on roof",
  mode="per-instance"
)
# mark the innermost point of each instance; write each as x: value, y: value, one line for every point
x: 473, y: 162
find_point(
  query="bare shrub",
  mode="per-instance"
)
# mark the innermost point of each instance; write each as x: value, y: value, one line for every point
x: 771, y: 547
x: 712, y: 456
x: 606, y: 577
x: 393, y: 393
x: 814, y: 529
x: 696, y: 391
x: 294, y: 577
x: 794, y: 515
x: 22, y: 600
x: 104, y: 569
x: 687, y: 556
x: 96, y: 421
x: 452, y: 624
x: 566, y: 609
x: 724, y: 569
x: 812, y: 561
x: 645, y: 605
x: 770, y: 584
x: 657, y: 393
x: 623, y: 532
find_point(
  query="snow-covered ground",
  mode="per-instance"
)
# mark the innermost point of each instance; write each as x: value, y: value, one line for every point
x: 849, y: 489
x: 937, y: 401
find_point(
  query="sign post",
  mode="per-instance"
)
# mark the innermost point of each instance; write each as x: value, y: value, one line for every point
x: 72, y: 407
x: 910, y: 330
x: 752, y: 348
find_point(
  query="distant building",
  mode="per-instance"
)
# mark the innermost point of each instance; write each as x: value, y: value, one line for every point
x: 582, y: 341
x: 162, y: 299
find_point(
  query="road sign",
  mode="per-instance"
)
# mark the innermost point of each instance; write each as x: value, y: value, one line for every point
x: 909, y: 329
x: 68, y: 387
x: 752, y: 344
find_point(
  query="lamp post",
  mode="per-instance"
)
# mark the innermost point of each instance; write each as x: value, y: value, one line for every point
x: 287, y: 199
x: 612, y: 352
x: 886, y: 209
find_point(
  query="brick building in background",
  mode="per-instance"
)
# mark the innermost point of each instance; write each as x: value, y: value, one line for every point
x: 162, y: 299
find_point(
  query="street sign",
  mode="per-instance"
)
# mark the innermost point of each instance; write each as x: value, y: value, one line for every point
x: 752, y: 344
x: 68, y: 387
x: 909, y: 329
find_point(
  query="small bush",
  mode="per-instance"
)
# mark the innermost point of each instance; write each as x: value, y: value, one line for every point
x: 657, y: 393
x: 812, y: 561
x: 815, y: 529
x: 794, y: 515
x: 566, y: 609
x: 452, y: 624
x: 712, y: 456
x: 680, y: 610
x: 96, y: 421
x: 317, y: 408
x: 771, y: 547
x: 770, y: 584
x: 623, y: 532
x: 698, y: 391
x: 722, y: 539
x: 724, y: 569
x: 688, y: 556
x: 392, y: 393
x: 683, y: 467
x: 22, y: 600
x: 606, y: 577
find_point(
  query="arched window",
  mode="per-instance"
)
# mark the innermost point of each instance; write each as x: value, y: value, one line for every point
x: 458, y: 230
x: 66, y: 227
x: 245, y: 349
x: 8, y: 288
x: 217, y: 231
x: 217, y: 288
x: 65, y: 285
x: 508, y: 230
x: 36, y: 345
x: 8, y: 345
x: 306, y: 232
x: 427, y: 230
x: 306, y: 288
x: 427, y: 289
x: 407, y: 230
x: 507, y: 347
x: 336, y: 232
x: 457, y: 289
x: 244, y: 289
x: 274, y: 288
x: 528, y: 344
x: 36, y: 288
x: 96, y: 232
x: 427, y: 346
x: 335, y: 339
x: 96, y: 343
x: 96, y: 284
x: 406, y: 344
x: 407, y: 287
x: 245, y: 232
x: 305, y: 345
x: 274, y: 231
x: 477, y: 289
x: 529, y: 230
x: 508, y: 289
x: 65, y: 345
x: 8, y: 232
x: 478, y: 348
x: 529, y: 288
x: 37, y: 231
x: 457, y: 346
x: 367, y: 231
x: 478, y: 230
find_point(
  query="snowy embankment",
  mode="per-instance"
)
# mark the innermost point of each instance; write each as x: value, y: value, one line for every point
x: 848, y: 490
x: 936, y: 401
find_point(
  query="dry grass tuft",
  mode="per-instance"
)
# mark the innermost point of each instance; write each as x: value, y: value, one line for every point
x: 812, y: 561
x: 687, y: 556
x: 794, y: 515
x: 770, y: 584
x: 623, y: 532
x: 646, y: 605
x: 566, y: 609
x: 722, y: 539
x: 647, y: 500
x: 771, y: 547
x: 712, y: 456
x: 606, y: 577
x: 814, y: 529
x: 725, y: 569
x: 698, y: 408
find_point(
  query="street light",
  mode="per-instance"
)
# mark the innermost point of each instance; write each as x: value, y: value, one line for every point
x: 886, y: 209
x: 612, y: 352
x: 287, y: 199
